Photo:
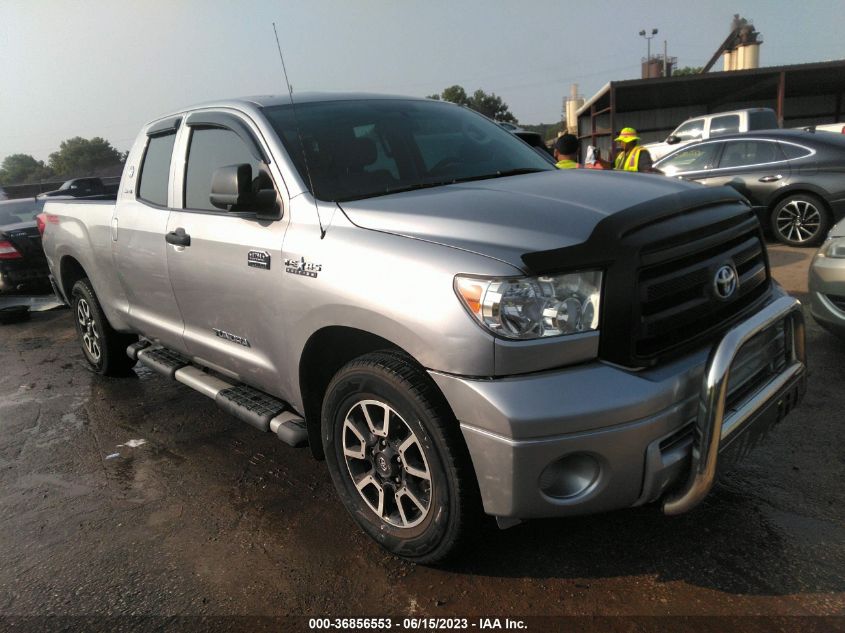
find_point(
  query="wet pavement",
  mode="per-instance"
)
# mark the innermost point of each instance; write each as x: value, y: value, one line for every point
x: 207, y: 516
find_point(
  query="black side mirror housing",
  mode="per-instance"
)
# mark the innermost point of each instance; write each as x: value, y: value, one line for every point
x: 672, y: 139
x: 230, y: 186
x: 232, y: 190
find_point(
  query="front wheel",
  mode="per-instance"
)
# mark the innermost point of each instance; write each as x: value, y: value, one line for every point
x: 104, y: 348
x: 396, y: 457
x: 800, y: 220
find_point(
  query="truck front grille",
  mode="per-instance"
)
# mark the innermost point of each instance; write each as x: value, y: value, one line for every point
x: 677, y: 297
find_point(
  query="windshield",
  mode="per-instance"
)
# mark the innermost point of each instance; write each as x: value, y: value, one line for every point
x: 362, y: 148
x: 15, y: 211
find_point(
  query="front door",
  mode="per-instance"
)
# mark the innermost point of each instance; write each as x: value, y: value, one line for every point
x: 227, y: 279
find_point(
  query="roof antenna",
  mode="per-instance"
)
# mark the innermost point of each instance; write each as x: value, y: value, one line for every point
x: 299, y: 133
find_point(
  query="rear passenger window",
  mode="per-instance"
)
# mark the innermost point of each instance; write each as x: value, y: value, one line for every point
x: 794, y: 151
x: 155, y: 170
x: 212, y: 148
x: 721, y: 125
x: 741, y: 153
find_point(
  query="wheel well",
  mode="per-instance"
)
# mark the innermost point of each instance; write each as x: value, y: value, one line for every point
x: 800, y: 192
x: 70, y: 271
x: 324, y: 354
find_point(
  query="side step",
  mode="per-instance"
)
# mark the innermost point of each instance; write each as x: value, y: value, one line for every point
x: 254, y: 407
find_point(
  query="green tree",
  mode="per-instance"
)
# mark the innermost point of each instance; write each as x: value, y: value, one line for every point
x: 490, y: 105
x: 83, y: 157
x: 687, y: 70
x: 19, y: 169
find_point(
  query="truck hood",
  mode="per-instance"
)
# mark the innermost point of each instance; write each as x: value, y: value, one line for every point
x: 504, y: 218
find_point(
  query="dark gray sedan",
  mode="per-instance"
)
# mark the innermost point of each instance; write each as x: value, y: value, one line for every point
x: 794, y: 179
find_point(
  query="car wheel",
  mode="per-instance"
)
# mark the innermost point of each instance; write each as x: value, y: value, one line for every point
x: 397, y: 459
x: 104, y: 348
x: 800, y: 220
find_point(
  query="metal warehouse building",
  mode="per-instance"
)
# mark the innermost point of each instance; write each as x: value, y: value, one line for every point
x: 804, y: 94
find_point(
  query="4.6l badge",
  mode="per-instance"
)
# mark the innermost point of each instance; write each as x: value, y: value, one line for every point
x: 301, y: 267
x: 258, y: 259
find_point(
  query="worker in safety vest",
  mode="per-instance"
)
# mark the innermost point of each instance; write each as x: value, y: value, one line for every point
x: 566, y: 152
x: 632, y: 157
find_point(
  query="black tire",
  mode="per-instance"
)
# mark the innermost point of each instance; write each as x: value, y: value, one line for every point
x: 801, y: 219
x: 103, y: 347
x: 450, y: 495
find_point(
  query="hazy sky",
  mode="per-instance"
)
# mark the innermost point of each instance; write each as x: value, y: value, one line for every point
x: 90, y: 68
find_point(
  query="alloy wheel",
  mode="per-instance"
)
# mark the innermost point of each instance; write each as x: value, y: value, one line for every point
x: 88, y: 329
x: 387, y: 463
x: 798, y: 221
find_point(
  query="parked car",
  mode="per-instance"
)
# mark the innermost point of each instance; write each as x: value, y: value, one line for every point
x: 534, y: 139
x: 701, y: 128
x: 792, y: 178
x: 445, y: 317
x: 827, y: 282
x: 23, y: 267
x: 81, y: 188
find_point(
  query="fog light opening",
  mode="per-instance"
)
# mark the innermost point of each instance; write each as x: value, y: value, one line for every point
x: 570, y: 476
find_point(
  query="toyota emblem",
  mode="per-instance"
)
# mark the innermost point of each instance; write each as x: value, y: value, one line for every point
x: 725, y: 282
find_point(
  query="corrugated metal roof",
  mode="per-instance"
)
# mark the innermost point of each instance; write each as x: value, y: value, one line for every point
x: 801, y: 79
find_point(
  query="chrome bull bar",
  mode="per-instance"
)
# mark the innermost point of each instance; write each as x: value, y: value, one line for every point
x: 711, y: 425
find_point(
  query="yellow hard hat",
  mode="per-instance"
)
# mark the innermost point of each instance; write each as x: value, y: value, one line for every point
x: 627, y: 135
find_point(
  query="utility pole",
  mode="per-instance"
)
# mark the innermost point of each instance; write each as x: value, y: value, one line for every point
x: 648, y: 39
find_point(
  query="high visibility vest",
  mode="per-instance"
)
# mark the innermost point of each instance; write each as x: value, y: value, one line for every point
x: 567, y: 164
x: 630, y: 160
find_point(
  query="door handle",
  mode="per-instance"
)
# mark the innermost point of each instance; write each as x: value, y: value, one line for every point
x: 178, y: 237
x: 770, y: 178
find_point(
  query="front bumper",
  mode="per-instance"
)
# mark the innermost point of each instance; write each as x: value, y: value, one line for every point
x: 827, y: 291
x: 596, y: 437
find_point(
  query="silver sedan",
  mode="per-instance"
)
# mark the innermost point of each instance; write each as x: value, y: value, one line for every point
x: 827, y: 282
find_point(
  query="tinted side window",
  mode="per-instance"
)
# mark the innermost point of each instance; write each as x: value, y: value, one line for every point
x: 690, y: 131
x: 762, y: 120
x: 794, y: 151
x: 695, y: 158
x: 155, y: 170
x: 722, y: 125
x: 210, y: 149
x: 739, y: 153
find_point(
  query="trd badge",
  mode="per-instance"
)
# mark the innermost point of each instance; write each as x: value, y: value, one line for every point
x: 258, y: 259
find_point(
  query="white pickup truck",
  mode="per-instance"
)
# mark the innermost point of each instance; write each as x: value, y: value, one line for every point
x: 435, y: 309
x: 712, y: 125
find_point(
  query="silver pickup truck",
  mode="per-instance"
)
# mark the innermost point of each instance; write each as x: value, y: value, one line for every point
x: 434, y: 309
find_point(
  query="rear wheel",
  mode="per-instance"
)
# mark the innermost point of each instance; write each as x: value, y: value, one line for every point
x: 397, y: 459
x: 800, y: 220
x: 104, y: 348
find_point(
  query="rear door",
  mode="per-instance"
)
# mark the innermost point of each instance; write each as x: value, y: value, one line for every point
x: 227, y: 281
x: 757, y: 168
x: 138, y: 231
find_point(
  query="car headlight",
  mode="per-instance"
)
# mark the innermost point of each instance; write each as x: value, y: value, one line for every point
x: 834, y: 247
x: 534, y: 307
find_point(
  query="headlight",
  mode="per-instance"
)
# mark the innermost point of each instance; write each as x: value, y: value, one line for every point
x: 534, y: 307
x: 834, y: 247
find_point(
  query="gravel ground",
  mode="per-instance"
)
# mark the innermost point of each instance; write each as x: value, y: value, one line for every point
x: 209, y: 518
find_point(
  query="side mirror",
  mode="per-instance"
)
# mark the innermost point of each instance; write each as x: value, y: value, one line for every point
x: 231, y: 185
x: 233, y: 189
x: 672, y: 139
